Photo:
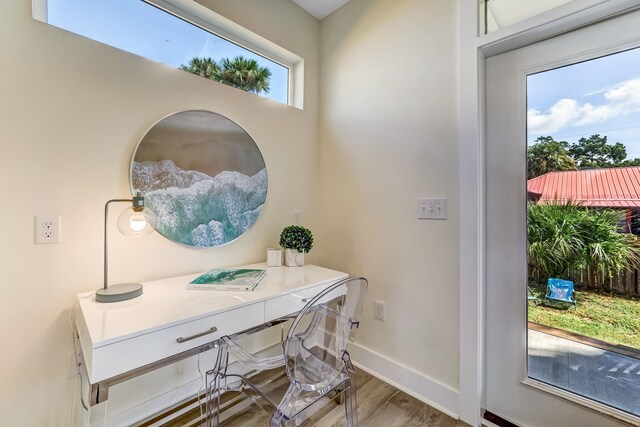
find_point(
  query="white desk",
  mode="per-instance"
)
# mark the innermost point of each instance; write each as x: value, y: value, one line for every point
x: 125, y: 339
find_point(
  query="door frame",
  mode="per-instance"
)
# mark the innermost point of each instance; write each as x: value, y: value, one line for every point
x: 473, y: 49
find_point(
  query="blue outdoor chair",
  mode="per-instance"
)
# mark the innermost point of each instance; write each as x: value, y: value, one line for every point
x: 560, y: 290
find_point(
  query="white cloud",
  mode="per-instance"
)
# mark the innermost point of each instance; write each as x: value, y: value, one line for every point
x: 626, y: 96
x: 621, y: 100
x: 560, y: 115
x: 594, y: 114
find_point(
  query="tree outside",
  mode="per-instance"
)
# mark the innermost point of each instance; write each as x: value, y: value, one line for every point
x: 548, y: 155
x: 245, y: 74
x: 595, y: 152
x: 203, y: 67
x: 239, y: 72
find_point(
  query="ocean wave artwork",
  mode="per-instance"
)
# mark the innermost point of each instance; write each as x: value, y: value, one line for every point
x: 202, y: 175
x: 196, y: 209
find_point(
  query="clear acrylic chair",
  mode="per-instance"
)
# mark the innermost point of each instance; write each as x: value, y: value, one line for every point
x: 315, y: 359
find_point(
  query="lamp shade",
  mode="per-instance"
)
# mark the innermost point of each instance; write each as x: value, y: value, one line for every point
x: 136, y: 222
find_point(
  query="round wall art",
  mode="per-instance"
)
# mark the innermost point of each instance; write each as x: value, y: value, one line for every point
x: 202, y: 175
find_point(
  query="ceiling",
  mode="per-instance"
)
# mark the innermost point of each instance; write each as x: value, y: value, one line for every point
x: 320, y: 8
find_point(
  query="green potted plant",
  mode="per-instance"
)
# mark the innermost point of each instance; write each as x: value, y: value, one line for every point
x: 296, y: 241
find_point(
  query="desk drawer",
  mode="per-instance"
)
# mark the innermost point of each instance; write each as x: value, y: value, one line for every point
x: 291, y: 303
x: 128, y: 354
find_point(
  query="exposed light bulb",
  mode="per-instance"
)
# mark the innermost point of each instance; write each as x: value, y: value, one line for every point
x: 137, y: 222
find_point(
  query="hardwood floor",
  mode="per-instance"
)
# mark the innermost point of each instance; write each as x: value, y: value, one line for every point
x: 379, y: 405
x: 382, y: 405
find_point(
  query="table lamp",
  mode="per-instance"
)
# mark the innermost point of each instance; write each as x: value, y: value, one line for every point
x: 135, y: 221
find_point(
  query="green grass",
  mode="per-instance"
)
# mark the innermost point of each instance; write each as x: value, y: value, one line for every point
x: 607, y: 317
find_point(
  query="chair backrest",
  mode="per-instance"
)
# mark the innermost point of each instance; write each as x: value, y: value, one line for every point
x: 316, y: 345
x: 560, y: 289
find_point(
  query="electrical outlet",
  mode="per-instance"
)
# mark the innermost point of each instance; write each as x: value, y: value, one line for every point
x: 378, y: 310
x: 48, y: 229
x: 297, y: 217
x: 73, y: 370
x: 432, y: 208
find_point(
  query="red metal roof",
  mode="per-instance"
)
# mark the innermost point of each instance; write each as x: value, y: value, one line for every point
x: 612, y: 187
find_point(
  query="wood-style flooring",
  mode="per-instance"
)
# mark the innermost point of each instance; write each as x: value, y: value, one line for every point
x: 379, y: 405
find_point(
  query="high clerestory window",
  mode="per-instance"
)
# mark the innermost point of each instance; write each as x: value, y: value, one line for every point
x: 183, y: 35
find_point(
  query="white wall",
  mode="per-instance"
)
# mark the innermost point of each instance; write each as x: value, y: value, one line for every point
x: 71, y: 114
x: 388, y: 136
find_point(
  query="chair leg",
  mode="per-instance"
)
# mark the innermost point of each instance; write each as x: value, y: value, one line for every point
x: 212, y: 407
x: 214, y: 389
x: 274, y: 420
x: 350, y: 405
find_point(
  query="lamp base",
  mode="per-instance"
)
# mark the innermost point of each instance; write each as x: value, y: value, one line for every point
x: 121, y: 292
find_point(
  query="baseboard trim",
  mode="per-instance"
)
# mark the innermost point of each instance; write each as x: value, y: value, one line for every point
x: 430, y: 391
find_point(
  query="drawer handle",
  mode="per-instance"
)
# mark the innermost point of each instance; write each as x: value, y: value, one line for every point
x: 193, y: 337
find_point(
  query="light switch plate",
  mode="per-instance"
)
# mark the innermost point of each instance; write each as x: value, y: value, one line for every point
x: 432, y: 208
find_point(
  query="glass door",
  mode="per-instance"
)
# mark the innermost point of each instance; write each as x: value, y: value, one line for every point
x: 562, y: 151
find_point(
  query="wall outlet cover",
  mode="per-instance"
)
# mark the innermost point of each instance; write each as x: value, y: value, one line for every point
x: 378, y: 310
x: 47, y: 229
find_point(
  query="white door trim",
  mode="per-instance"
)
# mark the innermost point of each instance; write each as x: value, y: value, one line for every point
x: 565, y: 18
x: 471, y: 170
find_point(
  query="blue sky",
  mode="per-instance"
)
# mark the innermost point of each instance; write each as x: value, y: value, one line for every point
x: 598, y: 96
x: 137, y: 27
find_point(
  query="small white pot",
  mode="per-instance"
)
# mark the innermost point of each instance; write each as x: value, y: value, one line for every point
x: 274, y: 257
x: 293, y: 258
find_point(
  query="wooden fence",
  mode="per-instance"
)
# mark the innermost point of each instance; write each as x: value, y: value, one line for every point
x: 626, y: 282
